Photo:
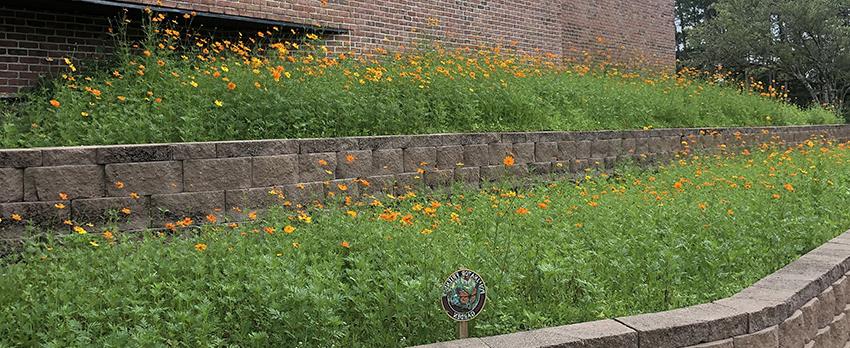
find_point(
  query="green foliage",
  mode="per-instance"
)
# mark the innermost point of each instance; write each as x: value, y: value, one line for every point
x: 162, y: 91
x: 805, y: 42
x: 691, y: 232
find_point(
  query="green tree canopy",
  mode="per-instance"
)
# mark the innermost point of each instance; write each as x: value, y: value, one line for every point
x: 803, y: 41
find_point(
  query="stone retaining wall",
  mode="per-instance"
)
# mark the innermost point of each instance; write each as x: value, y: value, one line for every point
x: 805, y: 304
x: 161, y: 183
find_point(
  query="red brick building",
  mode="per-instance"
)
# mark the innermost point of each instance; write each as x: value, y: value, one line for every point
x: 36, y: 34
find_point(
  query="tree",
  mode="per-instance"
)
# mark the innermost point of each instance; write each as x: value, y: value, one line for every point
x: 689, y: 14
x: 804, y: 41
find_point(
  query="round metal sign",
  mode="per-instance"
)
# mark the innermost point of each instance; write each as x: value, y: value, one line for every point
x: 464, y: 295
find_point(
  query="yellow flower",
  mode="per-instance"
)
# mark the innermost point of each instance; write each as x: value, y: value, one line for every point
x: 218, y: 103
x: 126, y: 211
x: 94, y: 244
x: 426, y: 231
x: 288, y: 229
x: 193, y: 83
x: 84, y: 114
x: 351, y: 213
x: 296, y: 245
x: 59, y: 206
x: 122, y: 98
x: 252, y: 215
x: 200, y: 247
x: 80, y: 230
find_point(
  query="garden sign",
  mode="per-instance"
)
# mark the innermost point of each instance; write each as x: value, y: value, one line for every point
x: 464, y: 296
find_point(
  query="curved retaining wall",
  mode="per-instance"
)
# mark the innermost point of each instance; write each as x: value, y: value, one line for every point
x: 804, y: 304
x: 161, y: 183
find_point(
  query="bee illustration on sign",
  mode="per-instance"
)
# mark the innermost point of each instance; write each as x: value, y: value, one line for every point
x: 464, y: 295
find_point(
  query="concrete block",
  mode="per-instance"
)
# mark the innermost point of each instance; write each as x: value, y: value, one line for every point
x: 40, y: 214
x: 216, y: 174
x: 277, y: 170
x: 103, y: 212
x: 167, y: 208
x: 546, y: 151
x: 11, y: 185
x: 419, y: 158
x: 353, y: 164
x: 387, y: 161
x: 304, y: 193
x: 184, y: 151
x: 144, y: 178
x: 468, y: 175
x: 327, y: 145
x: 450, y: 157
x: 316, y: 167
x: 476, y: 155
x: 498, y: 152
x: 249, y: 148
x: 566, y: 150
x: 85, y: 181
x: 687, y: 326
x: 793, y: 331
x: 766, y: 338
x: 20, y: 158
x: 523, y: 152
x: 133, y: 153
x: 69, y: 156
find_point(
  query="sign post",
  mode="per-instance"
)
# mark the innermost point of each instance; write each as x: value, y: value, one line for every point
x: 464, y: 296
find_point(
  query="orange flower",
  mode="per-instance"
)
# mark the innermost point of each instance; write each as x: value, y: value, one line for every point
x: 171, y: 226
x: 63, y: 196
x: 522, y: 211
x: 288, y: 229
x: 126, y: 211
x: 268, y: 230
x: 16, y: 217
x: 55, y: 103
x: 345, y: 244
x: 231, y: 86
x: 350, y: 158
x: 730, y: 212
x: 407, y: 219
x: 323, y: 162
x: 389, y: 215
x: 342, y: 187
x: 776, y: 196
x: 508, y: 161
x: 788, y: 187
x: 252, y: 215
x: 212, y: 218
x: 107, y: 235
x: 200, y: 247
x: 542, y: 205
x: 593, y: 204
x: 703, y: 206
x: 678, y: 185
x: 119, y: 185
x: 134, y: 195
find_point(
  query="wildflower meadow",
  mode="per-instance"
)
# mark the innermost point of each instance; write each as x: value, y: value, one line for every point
x: 366, y: 270
x: 173, y: 85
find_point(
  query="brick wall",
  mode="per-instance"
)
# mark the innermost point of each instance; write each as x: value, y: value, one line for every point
x: 805, y: 304
x: 174, y: 181
x: 34, y: 32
